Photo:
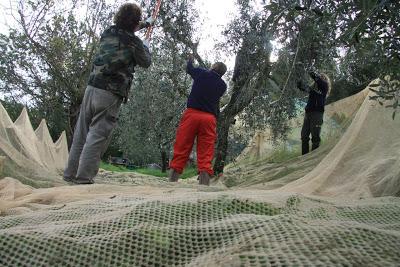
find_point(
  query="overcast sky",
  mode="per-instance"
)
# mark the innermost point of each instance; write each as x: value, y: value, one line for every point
x: 215, y: 14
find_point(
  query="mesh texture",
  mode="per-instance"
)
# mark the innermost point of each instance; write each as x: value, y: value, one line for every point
x: 221, y: 230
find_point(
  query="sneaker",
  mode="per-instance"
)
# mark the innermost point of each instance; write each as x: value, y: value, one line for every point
x: 204, y: 178
x: 174, y: 176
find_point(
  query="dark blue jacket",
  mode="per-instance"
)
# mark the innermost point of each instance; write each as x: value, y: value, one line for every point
x: 208, y: 87
x: 317, y: 96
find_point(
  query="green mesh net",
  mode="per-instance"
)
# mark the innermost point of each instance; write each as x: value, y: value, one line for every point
x: 217, y: 231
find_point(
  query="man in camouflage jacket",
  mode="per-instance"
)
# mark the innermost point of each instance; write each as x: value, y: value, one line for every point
x: 120, y: 50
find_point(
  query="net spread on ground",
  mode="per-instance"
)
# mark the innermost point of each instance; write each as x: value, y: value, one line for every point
x: 338, y: 205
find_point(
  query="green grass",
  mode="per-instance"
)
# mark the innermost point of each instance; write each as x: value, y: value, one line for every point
x: 113, y: 168
x: 283, y: 154
x: 187, y: 173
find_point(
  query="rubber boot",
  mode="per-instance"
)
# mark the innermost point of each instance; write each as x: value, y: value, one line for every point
x: 305, y: 147
x: 315, y: 146
x: 174, y: 176
x: 204, y: 178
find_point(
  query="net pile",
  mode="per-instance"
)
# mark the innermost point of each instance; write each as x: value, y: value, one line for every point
x: 361, y: 162
x: 337, y: 117
x: 31, y: 155
x: 205, y: 229
x: 365, y: 162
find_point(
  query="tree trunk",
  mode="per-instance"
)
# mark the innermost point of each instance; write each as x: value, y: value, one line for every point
x: 224, y: 124
x: 237, y: 103
x: 164, y: 161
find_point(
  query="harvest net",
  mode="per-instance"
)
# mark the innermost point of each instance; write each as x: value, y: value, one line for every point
x: 335, y: 206
x: 204, y: 229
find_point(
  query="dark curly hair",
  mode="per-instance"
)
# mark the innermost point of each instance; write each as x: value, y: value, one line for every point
x: 128, y: 16
x: 219, y: 68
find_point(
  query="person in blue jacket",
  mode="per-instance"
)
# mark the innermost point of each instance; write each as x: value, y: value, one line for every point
x: 199, y: 121
x: 314, y: 111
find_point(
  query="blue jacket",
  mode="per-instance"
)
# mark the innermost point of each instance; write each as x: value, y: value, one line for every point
x: 208, y: 87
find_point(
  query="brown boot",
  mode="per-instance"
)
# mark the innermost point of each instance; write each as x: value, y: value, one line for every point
x: 204, y: 178
x: 174, y: 176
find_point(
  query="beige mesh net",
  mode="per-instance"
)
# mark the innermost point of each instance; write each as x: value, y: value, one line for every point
x: 336, y: 118
x: 31, y: 156
x: 336, y: 206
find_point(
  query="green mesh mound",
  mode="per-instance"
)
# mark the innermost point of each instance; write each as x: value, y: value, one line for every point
x: 219, y: 231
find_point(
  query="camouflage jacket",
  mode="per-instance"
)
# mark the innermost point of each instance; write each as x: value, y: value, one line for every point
x: 118, y: 54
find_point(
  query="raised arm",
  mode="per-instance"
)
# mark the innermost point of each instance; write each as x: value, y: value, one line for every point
x: 320, y: 86
x: 191, y: 70
x: 141, y: 53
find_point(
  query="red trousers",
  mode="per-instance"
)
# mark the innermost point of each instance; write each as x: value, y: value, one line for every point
x: 195, y: 123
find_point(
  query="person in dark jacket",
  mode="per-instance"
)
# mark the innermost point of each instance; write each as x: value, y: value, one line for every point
x: 314, y: 110
x: 120, y: 50
x: 199, y: 121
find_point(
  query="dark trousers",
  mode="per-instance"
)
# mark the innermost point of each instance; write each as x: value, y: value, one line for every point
x: 312, y: 125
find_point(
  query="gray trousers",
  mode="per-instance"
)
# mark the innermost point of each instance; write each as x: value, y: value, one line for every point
x: 312, y: 125
x: 97, y: 119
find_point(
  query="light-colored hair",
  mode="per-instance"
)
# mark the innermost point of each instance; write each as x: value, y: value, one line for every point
x: 128, y: 16
x: 328, y: 81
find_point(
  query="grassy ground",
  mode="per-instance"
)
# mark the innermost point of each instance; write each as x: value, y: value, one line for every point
x: 113, y: 168
x: 283, y: 154
x: 187, y: 173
